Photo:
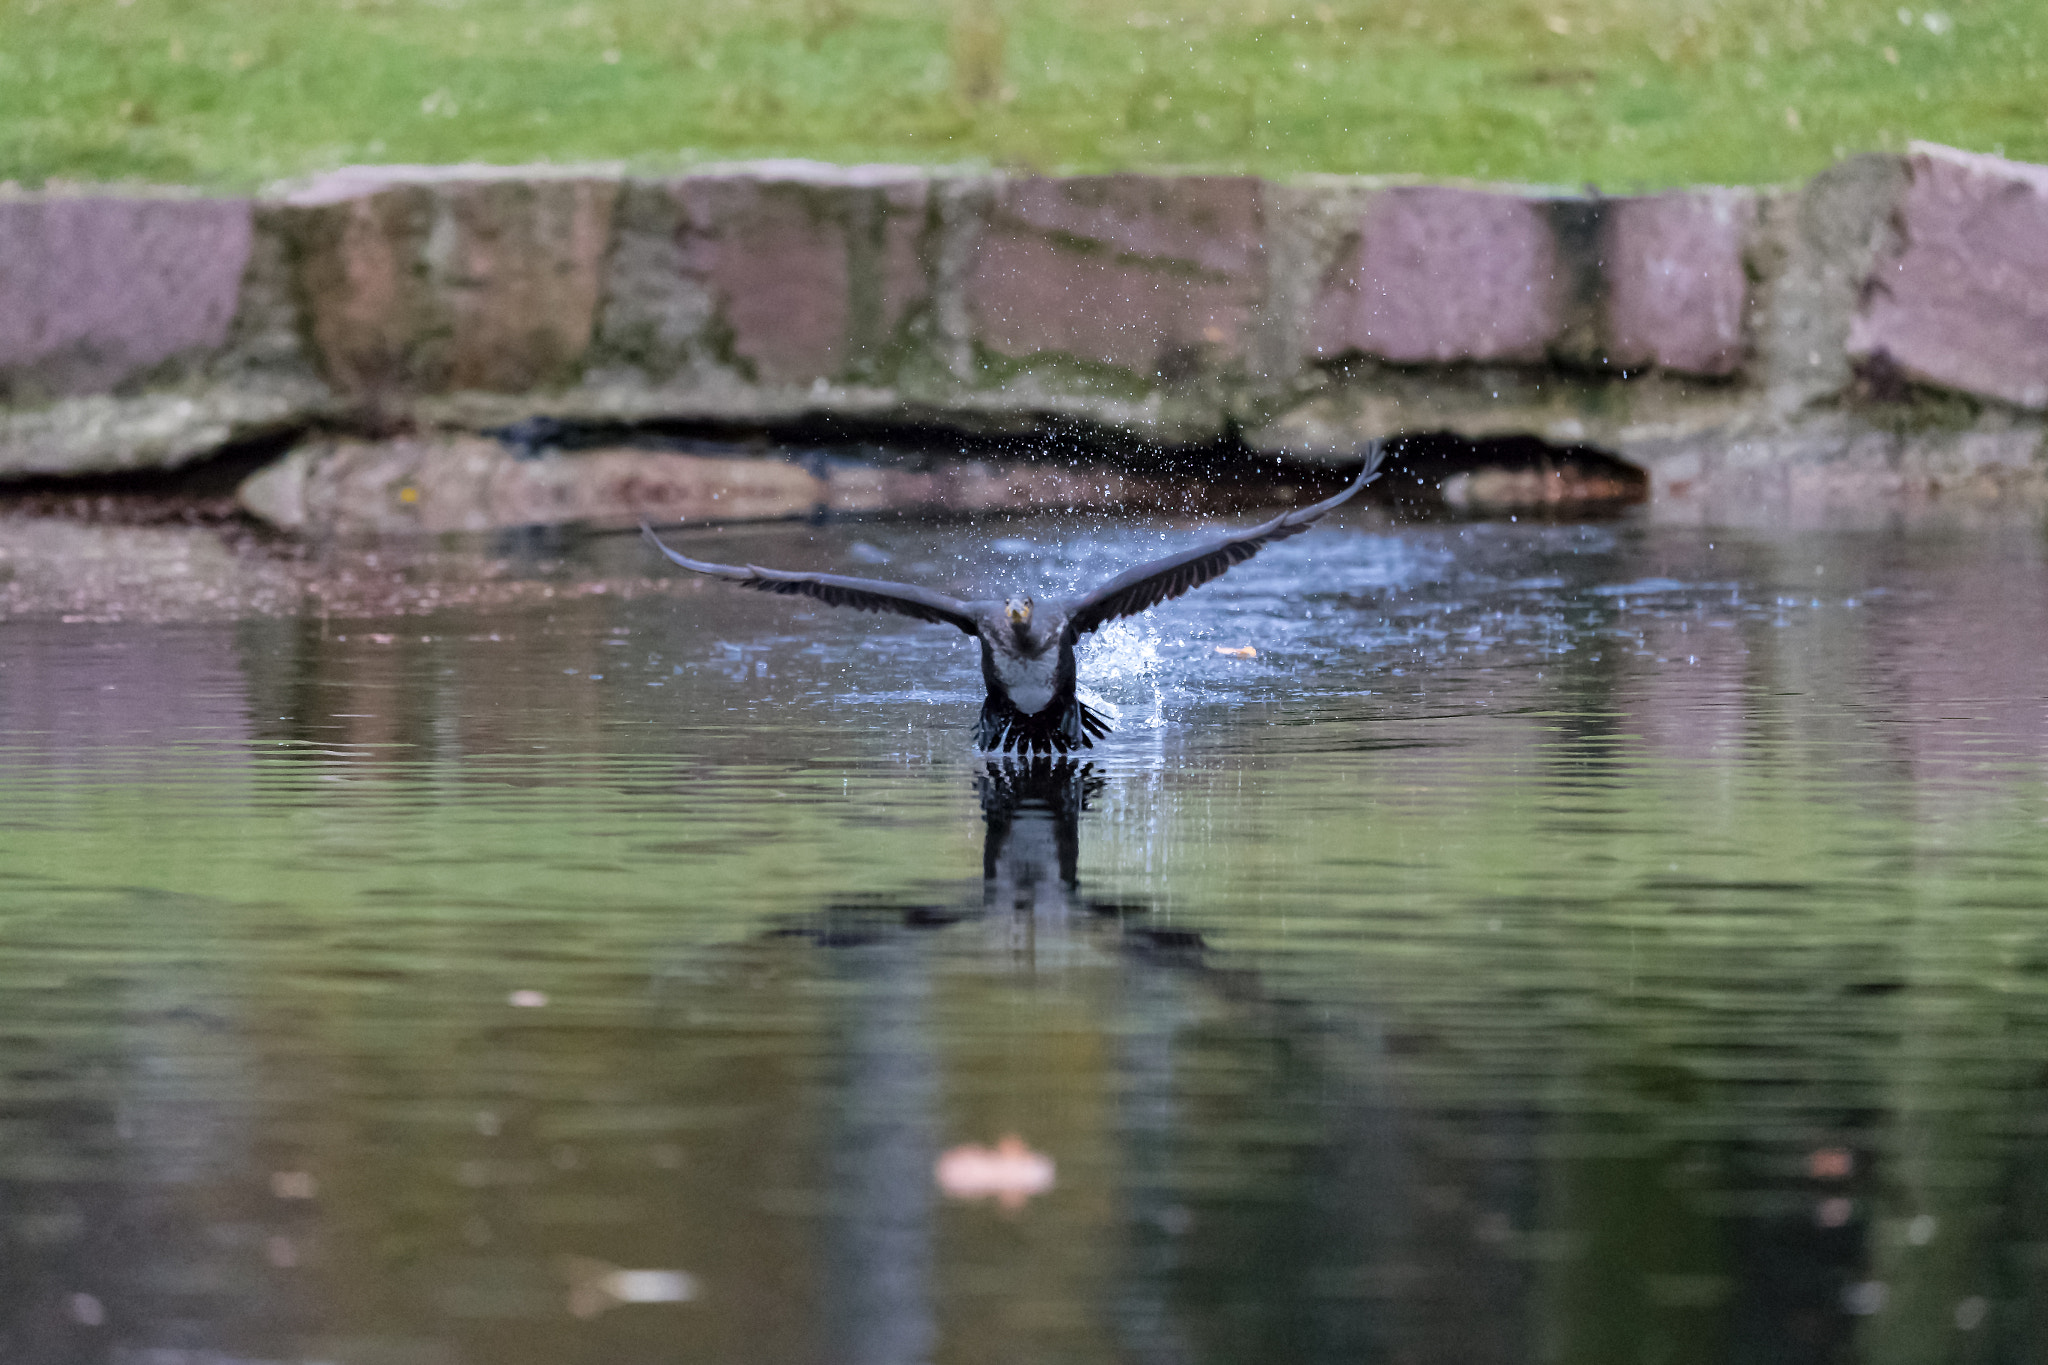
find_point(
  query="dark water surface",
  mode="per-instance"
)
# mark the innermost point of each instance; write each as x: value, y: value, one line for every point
x: 1574, y: 944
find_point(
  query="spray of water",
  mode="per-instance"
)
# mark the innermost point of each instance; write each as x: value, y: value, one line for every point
x: 1123, y: 659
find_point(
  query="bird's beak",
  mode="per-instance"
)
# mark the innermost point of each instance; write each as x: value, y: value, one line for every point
x: 1018, y: 614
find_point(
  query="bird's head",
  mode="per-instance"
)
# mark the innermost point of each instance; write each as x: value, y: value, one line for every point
x: 1018, y: 609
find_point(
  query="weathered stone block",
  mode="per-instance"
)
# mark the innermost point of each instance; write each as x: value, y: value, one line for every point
x: 1962, y: 299
x: 655, y: 317
x: 465, y: 279
x: 1160, y: 276
x: 1813, y: 250
x: 1676, y: 285
x: 95, y: 290
x: 1441, y: 276
x: 814, y: 270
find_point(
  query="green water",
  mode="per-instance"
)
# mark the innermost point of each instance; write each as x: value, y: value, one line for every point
x: 1574, y: 944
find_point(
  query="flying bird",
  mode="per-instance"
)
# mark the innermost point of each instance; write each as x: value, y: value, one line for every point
x: 1027, y: 647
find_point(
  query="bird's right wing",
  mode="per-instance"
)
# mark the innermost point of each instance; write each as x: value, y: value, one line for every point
x: 862, y: 594
x: 1148, y: 585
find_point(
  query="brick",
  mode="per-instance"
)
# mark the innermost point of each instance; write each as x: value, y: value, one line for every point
x: 1440, y: 276
x: 1677, y: 289
x: 1962, y: 300
x: 814, y: 270
x: 97, y: 289
x: 1159, y: 276
x: 452, y: 281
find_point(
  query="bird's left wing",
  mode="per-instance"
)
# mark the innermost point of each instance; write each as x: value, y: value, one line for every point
x: 1148, y: 585
x: 862, y: 594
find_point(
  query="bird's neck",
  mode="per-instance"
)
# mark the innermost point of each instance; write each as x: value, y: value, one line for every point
x: 1016, y: 642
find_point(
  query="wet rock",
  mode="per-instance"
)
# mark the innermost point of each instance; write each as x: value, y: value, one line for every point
x: 1675, y: 280
x: 1961, y: 297
x: 1441, y: 276
x: 472, y: 483
x: 419, y: 279
x: 1557, y: 488
x: 96, y: 290
x: 1160, y: 277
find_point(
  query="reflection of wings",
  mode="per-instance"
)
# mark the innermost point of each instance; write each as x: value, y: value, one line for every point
x: 1164, y: 579
x: 862, y: 594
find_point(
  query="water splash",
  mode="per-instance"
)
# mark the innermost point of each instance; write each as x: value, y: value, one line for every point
x: 1123, y: 657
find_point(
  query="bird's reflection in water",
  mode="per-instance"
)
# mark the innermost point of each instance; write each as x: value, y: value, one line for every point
x: 1030, y: 901
x: 1031, y: 850
x: 885, y: 1127
x: 886, y: 1131
x: 1325, y: 1174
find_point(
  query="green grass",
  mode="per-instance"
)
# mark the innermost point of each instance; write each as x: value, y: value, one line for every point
x: 1623, y: 93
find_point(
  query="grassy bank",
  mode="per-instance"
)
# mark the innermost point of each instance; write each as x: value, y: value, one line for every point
x: 1623, y: 93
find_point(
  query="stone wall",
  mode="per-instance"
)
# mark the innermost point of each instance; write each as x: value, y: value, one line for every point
x: 1887, y: 322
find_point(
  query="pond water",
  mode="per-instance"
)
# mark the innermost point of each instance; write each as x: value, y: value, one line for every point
x: 1559, y: 943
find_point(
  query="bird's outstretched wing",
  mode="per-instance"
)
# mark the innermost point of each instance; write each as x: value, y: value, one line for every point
x: 862, y: 594
x: 1164, y: 579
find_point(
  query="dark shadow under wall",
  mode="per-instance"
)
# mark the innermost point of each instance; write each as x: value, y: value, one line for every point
x: 1426, y: 473
x: 201, y: 493
x: 1437, y: 472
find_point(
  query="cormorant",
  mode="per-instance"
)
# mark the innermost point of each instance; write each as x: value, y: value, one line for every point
x: 1027, y: 649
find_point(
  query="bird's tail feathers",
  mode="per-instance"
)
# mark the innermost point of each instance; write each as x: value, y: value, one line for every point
x: 1058, y: 729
